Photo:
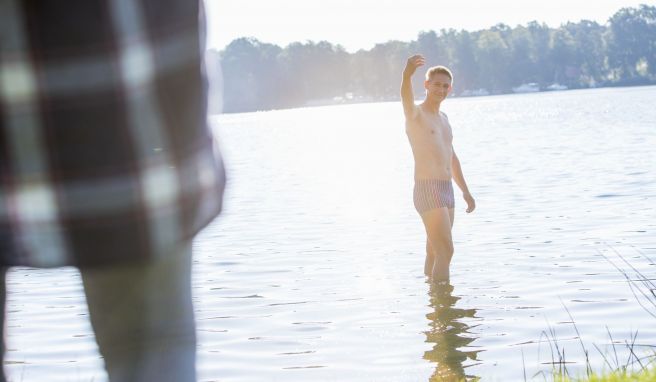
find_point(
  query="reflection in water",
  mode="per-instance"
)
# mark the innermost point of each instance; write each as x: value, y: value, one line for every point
x: 449, y: 335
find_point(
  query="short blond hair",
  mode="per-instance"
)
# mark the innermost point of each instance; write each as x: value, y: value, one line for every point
x: 438, y: 69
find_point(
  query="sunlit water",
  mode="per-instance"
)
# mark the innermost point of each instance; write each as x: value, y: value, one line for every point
x: 315, y: 269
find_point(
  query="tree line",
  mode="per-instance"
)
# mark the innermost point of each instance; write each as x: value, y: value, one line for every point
x: 262, y: 76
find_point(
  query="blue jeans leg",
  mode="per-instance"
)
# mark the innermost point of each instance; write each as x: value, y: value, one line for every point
x: 142, y: 316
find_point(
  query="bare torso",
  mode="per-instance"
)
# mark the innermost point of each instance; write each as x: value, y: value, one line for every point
x: 431, y: 140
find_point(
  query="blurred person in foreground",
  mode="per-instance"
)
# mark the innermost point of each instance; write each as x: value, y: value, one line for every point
x: 107, y: 164
x: 436, y: 163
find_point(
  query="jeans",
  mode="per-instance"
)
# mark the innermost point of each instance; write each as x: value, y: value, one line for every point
x: 142, y: 317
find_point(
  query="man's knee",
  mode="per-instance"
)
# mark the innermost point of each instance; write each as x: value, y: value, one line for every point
x: 442, y: 246
x: 448, y: 248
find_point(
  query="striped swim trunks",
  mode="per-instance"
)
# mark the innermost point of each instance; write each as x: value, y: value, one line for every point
x: 433, y: 193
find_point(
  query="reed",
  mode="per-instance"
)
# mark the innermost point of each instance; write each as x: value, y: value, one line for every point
x: 633, y: 368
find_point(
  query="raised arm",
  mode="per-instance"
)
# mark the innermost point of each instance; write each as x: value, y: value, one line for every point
x: 459, y: 178
x: 407, y: 96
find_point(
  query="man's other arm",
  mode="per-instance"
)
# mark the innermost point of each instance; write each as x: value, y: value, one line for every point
x: 459, y: 178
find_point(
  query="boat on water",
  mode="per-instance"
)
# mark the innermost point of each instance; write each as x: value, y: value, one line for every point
x: 475, y: 92
x: 556, y: 86
x: 530, y: 87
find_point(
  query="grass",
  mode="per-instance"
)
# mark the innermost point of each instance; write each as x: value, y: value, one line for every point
x: 646, y: 375
x: 634, y: 368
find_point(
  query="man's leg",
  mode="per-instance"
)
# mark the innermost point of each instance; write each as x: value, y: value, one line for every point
x: 430, y: 259
x: 142, y: 316
x: 430, y: 253
x: 438, y: 223
x: 3, y: 300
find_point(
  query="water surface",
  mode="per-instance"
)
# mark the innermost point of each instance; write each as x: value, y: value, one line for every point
x: 315, y: 269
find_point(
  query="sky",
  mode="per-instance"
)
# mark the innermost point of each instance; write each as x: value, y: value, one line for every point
x: 360, y: 24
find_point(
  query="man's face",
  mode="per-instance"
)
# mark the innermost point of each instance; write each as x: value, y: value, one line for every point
x: 439, y: 85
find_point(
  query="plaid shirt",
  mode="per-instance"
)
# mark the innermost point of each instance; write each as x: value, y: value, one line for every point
x: 105, y: 154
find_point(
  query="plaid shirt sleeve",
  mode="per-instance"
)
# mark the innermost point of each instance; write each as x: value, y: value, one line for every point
x: 105, y: 154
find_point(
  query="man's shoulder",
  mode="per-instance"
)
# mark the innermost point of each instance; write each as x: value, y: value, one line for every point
x: 445, y: 118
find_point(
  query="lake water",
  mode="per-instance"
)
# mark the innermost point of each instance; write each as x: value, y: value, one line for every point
x: 315, y: 269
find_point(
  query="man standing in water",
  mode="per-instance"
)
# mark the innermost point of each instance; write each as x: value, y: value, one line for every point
x: 436, y: 163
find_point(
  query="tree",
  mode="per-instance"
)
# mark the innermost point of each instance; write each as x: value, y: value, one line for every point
x: 633, y: 42
x: 590, y: 51
x: 492, y: 56
x: 250, y: 74
x: 462, y: 60
x: 540, y: 42
x: 523, y: 65
x: 564, y: 56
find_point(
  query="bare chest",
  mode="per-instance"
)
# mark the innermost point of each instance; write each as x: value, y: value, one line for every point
x: 426, y: 130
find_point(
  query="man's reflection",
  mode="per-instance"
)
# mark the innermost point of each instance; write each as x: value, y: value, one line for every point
x: 449, y: 334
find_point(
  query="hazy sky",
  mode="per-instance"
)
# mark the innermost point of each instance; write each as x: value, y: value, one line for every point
x: 360, y: 24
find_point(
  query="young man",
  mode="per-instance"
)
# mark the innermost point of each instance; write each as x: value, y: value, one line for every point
x: 436, y: 163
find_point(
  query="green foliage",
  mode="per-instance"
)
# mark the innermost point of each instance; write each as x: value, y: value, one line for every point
x: 631, y: 38
x: 259, y: 76
x: 647, y: 375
